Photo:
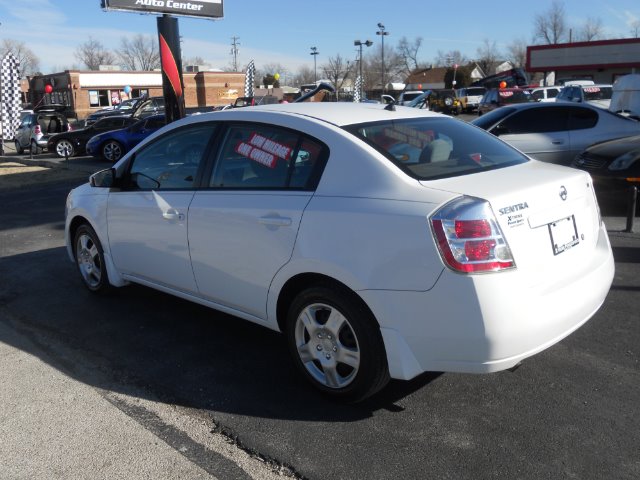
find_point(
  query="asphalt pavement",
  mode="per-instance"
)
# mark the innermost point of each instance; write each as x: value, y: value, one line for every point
x: 140, y: 384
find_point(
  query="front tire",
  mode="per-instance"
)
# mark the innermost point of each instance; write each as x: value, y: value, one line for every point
x: 336, y: 343
x: 62, y: 145
x: 112, y: 151
x: 89, y: 257
x: 19, y: 149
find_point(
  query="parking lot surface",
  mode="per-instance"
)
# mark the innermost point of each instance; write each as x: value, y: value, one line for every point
x: 179, y: 374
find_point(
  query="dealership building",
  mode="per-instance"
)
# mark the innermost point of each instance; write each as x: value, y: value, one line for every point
x: 601, y: 61
x: 84, y: 92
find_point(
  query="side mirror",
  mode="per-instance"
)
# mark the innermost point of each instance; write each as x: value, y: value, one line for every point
x: 103, y: 178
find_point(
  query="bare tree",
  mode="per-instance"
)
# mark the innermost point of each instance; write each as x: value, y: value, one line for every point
x: 93, y: 54
x: 337, y: 70
x: 29, y: 62
x: 139, y: 53
x: 591, y: 30
x: 517, y: 52
x: 409, y: 53
x: 635, y: 29
x: 303, y: 76
x: 197, y: 60
x: 452, y: 57
x: 551, y: 26
x: 488, y: 56
x: 372, y: 70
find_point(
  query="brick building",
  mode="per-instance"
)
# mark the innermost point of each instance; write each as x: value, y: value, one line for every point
x: 87, y: 91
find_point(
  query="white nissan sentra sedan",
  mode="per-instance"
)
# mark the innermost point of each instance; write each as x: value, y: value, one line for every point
x: 383, y: 242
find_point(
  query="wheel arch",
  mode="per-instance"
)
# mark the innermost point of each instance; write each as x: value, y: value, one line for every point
x: 115, y: 278
x: 300, y: 282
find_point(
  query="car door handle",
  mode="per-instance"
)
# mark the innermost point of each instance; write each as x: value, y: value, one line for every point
x: 173, y: 215
x: 275, y: 220
x: 557, y: 142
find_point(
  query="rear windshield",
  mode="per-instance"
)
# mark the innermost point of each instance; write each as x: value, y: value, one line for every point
x: 477, y: 91
x: 429, y: 148
x: 510, y: 96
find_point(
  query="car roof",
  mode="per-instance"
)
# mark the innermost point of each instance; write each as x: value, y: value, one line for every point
x: 336, y: 113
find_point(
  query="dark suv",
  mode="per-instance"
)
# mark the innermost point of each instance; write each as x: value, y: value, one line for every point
x: 498, y: 97
x: 36, y: 128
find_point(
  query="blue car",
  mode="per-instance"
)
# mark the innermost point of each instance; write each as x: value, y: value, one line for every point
x: 114, y: 144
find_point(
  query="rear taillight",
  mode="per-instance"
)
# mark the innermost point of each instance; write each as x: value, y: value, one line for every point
x: 469, y: 238
x: 37, y: 130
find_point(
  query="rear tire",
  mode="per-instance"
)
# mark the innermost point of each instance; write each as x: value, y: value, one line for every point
x: 336, y: 343
x: 19, y: 149
x: 63, y: 144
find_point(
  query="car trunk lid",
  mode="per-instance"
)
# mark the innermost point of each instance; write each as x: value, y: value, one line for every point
x: 548, y: 214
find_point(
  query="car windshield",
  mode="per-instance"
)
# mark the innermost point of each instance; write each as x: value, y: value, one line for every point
x: 429, y: 148
x: 597, y: 93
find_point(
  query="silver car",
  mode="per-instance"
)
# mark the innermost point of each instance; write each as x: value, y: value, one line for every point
x: 555, y: 132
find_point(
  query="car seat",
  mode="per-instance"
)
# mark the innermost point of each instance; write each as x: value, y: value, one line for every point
x: 54, y: 125
x: 436, y: 151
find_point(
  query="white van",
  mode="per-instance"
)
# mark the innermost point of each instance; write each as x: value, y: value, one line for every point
x: 625, y: 98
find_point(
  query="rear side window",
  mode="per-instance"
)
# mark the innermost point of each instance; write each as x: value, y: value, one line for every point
x: 263, y: 156
x: 430, y: 148
x: 581, y: 118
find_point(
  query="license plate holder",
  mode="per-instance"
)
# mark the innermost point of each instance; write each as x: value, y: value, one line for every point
x: 563, y: 234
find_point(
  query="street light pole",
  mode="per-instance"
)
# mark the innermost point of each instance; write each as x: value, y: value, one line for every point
x: 359, y: 43
x: 314, y: 52
x: 382, y: 33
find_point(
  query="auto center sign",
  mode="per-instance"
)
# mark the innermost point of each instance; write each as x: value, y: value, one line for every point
x: 189, y: 8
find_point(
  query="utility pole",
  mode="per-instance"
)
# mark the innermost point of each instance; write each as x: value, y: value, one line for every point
x: 314, y: 52
x: 234, y: 51
x: 382, y: 34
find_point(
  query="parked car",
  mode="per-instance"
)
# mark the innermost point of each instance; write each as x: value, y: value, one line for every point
x: 598, y: 95
x: 123, y: 108
x: 408, y: 95
x: 35, y: 128
x: 545, y: 94
x: 614, y: 164
x: 444, y: 101
x: 458, y: 253
x: 555, y: 132
x: 470, y: 97
x: 74, y: 142
x: 114, y: 144
x: 498, y: 97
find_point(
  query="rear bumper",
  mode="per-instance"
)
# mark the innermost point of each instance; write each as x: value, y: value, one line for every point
x: 486, y: 323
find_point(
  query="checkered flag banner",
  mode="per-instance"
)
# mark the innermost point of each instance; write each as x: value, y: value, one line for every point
x: 10, y: 92
x: 358, y: 89
x: 249, y: 79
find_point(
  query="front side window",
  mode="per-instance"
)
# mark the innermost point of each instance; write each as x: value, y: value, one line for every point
x: 172, y: 161
x: 263, y: 156
x: 430, y: 148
